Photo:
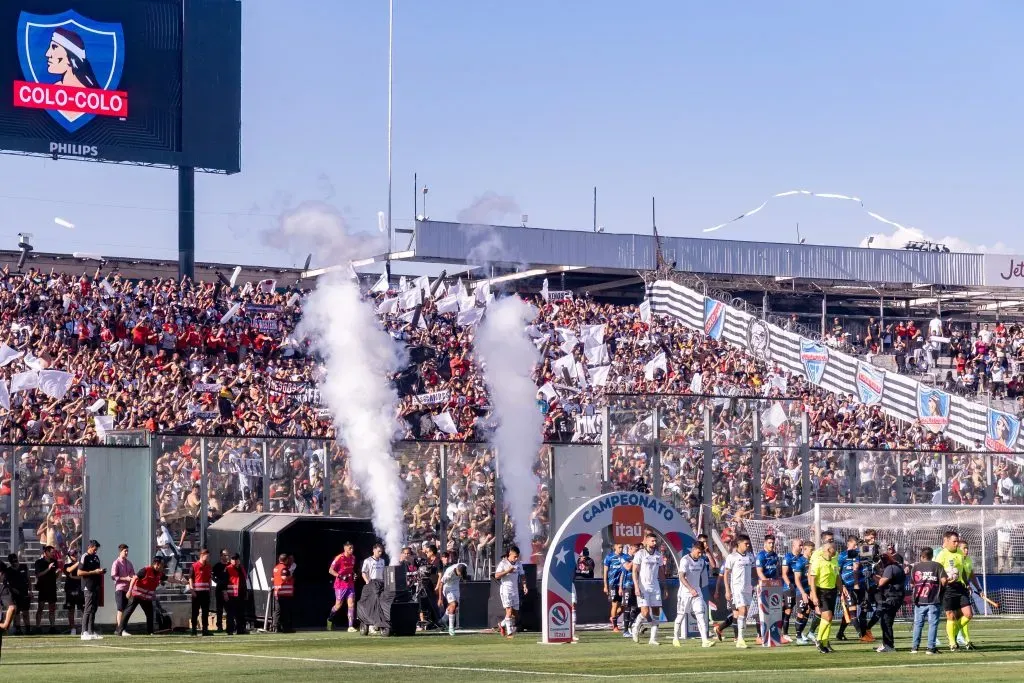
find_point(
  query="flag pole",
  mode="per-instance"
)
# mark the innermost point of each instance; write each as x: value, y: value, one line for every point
x: 391, y: 54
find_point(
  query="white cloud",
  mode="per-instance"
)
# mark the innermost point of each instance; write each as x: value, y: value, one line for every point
x: 899, y: 237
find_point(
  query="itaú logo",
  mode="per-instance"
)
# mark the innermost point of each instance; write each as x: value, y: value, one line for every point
x: 56, y: 97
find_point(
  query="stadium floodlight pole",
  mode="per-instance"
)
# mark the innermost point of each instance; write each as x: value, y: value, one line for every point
x: 391, y: 60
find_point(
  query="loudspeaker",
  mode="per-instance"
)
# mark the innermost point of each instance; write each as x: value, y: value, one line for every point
x: 395, y: 579
x: 404, y: 616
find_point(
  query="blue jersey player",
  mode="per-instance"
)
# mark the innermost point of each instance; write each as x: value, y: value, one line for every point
x: 850, y: 575
x: 801, y: 570
x: 767, y: 561
x: 627, y: 590
x: 789, y: 584
x: 612, y: 581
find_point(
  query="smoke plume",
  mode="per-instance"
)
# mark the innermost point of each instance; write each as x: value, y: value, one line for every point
x: 316, y: 227
x: 488, y: 207
x: 359, y: 357
x: 509, y: 357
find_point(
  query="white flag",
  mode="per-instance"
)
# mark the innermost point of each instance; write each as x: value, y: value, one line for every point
x: 234, y: 276
x: 5, y: 396
x: 55, y: 383
x: 381, y: 285
x: 470, y: 317
x: 8, y: 355
x: 99, y: 405
x: 460, y: 289
x: 655, y: 363
x: 23, y: 381
x: 268, y: 286
x: 599, y: 375
x: 226, y: 318
x: 597, y: 355
x: 403, y: 284
x: 411, y: 299
x: 388, y: 306
x: 466, y: 303
x: 549, y: 392
x: 645, y: 311
x: 445, y: 423
x: 449, y: 304
x: 569, y: 345
x: 34, y: 362
x: 423, y: 283
x: 592, y: 336
x: 104, y: 424
x: 697, y: 383
x: 483, y: 292
x: 107, y: 288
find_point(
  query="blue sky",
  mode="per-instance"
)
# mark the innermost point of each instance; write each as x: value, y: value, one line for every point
x: 711, y: 107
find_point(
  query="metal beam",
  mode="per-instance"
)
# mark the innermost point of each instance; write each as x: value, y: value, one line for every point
x: 610, y: 285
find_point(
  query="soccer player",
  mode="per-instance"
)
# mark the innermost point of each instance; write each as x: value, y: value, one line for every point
x: 511, y: 575
x: 824, y: 576
x: 972, y: 581
x: 612, y: 571
x: 801, y: 571
x: 648, y: 573
x: 691, y: 596
x: 739, y: 590
x: 343, y: 569
x: 850, y: 575
x: 956, y: 599
x: 448, y: 588
x: 628, y: 590
x: 789, y: 583
x: 766, y: 564
x: 373, y: 566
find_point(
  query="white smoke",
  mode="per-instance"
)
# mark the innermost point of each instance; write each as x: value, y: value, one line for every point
x: 509, y: 357
x: 900, y: 236
x: 488, y: 207
x: 316, y: 227
x: 360, y: 357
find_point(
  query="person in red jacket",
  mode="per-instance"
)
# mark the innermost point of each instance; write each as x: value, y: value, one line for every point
x: 142, y: 590
x: 199, y: 583
x: 236, y: 593
x: 284, y: 591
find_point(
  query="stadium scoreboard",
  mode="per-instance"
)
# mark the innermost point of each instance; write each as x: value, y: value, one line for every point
x: 146, y: 81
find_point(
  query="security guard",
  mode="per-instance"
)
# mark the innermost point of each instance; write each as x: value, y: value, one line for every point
x: 142, y: 590
x: 284, y: 591
x: 199, y: 584
x: 236, y: 592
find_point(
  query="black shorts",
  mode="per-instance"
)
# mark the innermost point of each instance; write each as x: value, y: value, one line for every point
x: 827, y: 599
x: 23, y: 603
x: 628, y: 596
x: 614, y: 595
x: 851, y: 598
x: 121, y: 600
x: 48, y: 594
x: 789, y: 597
x: 955, y: 598
x: 73, y: 598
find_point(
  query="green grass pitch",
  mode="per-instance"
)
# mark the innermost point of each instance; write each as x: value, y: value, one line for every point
x: 314, y: 656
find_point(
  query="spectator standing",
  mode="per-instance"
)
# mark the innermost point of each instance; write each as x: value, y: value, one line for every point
x: 73, y: 597
x: 91, y: 572
x: 46, y: 569
x: 927, y: 576
x: 121, y: 572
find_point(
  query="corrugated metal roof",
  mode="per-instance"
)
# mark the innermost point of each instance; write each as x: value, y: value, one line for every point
x: 456, y: 242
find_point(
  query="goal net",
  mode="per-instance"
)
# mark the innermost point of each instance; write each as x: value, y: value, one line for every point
x: 994, y: 534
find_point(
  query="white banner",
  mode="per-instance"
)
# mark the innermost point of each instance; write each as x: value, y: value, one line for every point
x: 1004, y: 271
x: 434, y: 398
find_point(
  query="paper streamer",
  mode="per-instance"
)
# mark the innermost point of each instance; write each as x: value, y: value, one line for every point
x: 64, y: 224
x: 808, y: 193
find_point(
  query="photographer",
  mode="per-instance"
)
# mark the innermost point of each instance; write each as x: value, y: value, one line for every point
x: 427, y: 571
x: 891, y: 589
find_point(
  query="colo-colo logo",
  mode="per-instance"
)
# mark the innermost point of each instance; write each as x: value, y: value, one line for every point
x: 635, y: 499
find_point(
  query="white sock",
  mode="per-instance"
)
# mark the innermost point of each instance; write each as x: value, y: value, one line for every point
x: 702, y: 626
x: 676, y: 627
x: 740, y: 623
x: 654, y: 631
x: 451, y: 623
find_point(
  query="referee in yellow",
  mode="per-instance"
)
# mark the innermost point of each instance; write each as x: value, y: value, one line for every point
x: 824, y: 573
x: 956, y: 595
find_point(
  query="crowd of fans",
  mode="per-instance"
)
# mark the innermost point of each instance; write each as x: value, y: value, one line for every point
x: 184, y: 359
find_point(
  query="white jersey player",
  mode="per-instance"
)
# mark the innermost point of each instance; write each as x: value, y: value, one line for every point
x: 648, y: 573
x: 510, y: 574
x: 448, y: 588
x: 692, y: 581
x: 739, y: 588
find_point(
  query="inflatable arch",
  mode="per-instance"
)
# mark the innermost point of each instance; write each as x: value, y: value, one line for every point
x: 630, y: 514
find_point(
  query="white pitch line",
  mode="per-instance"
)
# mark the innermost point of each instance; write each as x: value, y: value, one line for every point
x: 471, y: 669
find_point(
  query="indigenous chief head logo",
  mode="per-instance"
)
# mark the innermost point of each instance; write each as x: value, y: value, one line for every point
x: 814, y: 357
x: 627, y: 524
x: 759, y: 339
x: 932, y: 408
x: 1002, y: 431
x: 72, y: 66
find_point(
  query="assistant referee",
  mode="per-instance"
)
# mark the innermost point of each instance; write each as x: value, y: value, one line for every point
x: 824, y: 574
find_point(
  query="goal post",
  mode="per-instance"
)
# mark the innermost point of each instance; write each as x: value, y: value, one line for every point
x: 994, y: 534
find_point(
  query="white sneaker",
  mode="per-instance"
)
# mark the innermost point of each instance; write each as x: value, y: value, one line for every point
x: 95, y: 636
x: 708, y: 643
x: 125, y: 634
x: 86, y: 636
x: 654, y: 642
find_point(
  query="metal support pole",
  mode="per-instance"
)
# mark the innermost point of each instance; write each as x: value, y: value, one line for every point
x: 757, y: 499
x: 328, y: 478
x: 204, y: 492
x: 186, y: 222
x: 901, y: 489
x: 990, y: 484
x: 656, y: 453
x: 764, y: 305
x: 708, y: 487
x: 443, y: 502
x: 984, y: 563
x: 944, y: 500
x: 824, y: 313
x: 817, y: 524
x: 265, y: 494
x: 606, y: 446
x: 881, y: 324
x: 805, y: 465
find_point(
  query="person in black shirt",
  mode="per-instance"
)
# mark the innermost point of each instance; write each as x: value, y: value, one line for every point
x: 73, y: 596
x: 927, y: 576
x: 46, y: 587
x: 17, y: 578
x: 891, y: 588
x: 220, y: 579
x: 91, y: 571
x: 7, y: 606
